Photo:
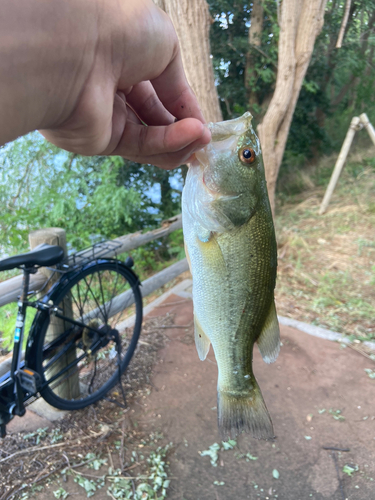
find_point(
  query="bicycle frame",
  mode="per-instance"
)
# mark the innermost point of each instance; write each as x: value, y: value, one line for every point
x: 13, y: 394
x: 11, y: 384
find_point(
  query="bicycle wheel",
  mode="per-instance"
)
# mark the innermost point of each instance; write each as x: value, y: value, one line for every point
x: 83, y: 347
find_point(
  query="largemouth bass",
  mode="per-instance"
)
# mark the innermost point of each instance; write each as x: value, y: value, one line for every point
x: 231, y: 248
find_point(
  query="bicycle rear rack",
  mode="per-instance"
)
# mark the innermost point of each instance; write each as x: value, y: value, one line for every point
x: 99, y: 250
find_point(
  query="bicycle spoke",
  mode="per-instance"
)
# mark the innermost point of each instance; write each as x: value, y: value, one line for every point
x: 81, y: 358
x: 114, y: 294
x: 79, y: 303
x: 95, y: 299
x: 103, y: 298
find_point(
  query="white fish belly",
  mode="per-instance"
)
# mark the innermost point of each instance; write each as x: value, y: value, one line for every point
x: 219, y: 298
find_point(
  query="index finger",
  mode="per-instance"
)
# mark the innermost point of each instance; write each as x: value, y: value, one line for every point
x: 175, y: 92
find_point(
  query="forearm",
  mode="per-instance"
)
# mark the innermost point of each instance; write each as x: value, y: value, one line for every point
x: 47, y: 50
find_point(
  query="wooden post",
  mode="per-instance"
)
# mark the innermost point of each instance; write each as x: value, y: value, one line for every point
x: 354, y: 126
x: 367, y: 124
x: 69, y: 389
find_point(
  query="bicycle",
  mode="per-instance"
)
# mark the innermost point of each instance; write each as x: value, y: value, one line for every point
x: 78, y: 344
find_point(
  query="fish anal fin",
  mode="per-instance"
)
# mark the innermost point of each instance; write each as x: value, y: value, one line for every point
x: 269, y: 339
x: 202, y: 342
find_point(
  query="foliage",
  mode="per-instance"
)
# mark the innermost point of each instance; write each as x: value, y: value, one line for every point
x: 92, y: 198
x: 42, y: 186
x: 104, y: 197
x: 337, y: 86
x: 350, y: 469
x: 232, y: 56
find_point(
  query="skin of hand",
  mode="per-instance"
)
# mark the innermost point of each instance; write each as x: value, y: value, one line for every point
x: 72, y: 67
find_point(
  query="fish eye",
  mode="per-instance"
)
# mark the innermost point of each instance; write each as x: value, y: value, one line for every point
x: 246, y: 155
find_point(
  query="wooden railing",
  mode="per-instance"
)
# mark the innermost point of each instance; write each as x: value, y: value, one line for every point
x: 10, y: 289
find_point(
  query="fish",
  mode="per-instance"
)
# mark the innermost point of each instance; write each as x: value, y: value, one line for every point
x: 231, y: 249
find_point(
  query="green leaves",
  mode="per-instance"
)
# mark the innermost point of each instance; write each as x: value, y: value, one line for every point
x: 337, y: 414
x: 87, y: 484
x: 229, y: 445
x: 60, y: 493
x: 212, y: 452
x: 350, y: 469
x: 92, y: 198
x: 245, y: 74
x: 370, y: 373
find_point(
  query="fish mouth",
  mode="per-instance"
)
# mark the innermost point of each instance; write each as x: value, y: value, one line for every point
x: 226, y: 129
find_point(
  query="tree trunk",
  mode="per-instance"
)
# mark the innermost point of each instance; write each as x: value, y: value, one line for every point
x: 300, y: 23
x: 255, y: 35
x: 192, y: 23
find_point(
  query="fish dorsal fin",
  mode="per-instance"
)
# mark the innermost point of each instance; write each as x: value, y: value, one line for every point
x: 269, y: 339
x: 202, y: 342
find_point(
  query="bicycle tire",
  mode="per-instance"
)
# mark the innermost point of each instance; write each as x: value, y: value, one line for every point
x: 87, y: 302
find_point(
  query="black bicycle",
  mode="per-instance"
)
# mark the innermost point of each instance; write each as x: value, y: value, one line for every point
x: 80, y: 341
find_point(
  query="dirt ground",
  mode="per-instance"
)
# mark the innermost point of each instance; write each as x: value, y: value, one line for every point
x: 310, y: 375
x: 318, y: 394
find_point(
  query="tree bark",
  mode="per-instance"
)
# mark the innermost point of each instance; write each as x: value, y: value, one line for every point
x: 301, y: 22
x: 192, y: 22
x: 255, y: 35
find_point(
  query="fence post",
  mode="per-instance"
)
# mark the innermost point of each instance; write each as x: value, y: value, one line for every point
x: 57, y: 236
x: 367, y: 124
x: 354, y: 126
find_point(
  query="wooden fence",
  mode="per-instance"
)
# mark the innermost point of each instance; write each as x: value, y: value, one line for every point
x: 10, y: 289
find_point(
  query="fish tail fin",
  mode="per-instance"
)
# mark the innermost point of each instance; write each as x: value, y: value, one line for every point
x: 246, y: 412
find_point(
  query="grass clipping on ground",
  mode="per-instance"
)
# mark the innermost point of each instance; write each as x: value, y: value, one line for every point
x: 100, y: 450
x: 326, y: 266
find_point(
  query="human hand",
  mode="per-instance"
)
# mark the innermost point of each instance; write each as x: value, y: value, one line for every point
x: 101, y: 54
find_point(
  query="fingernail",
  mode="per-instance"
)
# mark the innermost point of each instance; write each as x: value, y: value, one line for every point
x: 206, y: 136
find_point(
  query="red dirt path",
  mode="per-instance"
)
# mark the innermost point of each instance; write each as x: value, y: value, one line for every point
x: 310, y: 375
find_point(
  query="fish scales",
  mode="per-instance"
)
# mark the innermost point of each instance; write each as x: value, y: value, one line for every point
x: 231, y: 248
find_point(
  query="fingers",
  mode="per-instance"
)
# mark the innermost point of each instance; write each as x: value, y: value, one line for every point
x: 147, y: 104
x: 175, y: 93
x: 164, y: 146
x: 155, y: 56
x: 169, y: 161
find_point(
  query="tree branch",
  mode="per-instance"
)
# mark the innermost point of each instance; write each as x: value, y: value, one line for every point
x: 264, y: 54
x: 343, y: 24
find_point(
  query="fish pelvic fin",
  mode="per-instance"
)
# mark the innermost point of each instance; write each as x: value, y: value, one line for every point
x: 269, y: 339
x: 245, y: 411
x: 202, y: 342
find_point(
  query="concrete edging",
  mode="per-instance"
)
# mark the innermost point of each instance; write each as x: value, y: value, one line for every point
x: 317, y: 331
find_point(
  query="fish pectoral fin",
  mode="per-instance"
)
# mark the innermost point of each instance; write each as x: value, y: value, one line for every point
x: 269, y: 339
x: 202, y: 233
x: 202, y: 342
